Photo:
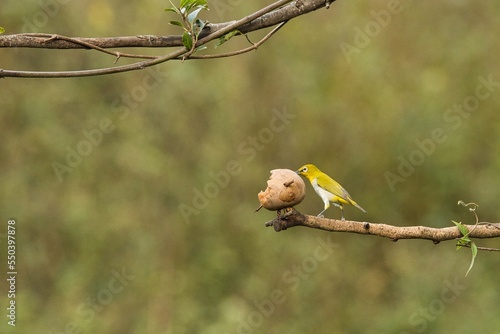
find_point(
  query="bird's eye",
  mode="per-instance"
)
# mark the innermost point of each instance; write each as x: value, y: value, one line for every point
x: 304, y: 169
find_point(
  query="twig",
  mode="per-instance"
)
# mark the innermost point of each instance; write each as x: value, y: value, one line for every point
x: 287, y: 11
x: 77, y: 41
x: 264, y: 17
x: 488, y: 249
x: 254, y: 46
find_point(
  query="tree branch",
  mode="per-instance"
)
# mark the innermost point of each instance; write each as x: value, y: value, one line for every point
x: 276, y: 13
x: 294, y: 218
x: 36, y: 40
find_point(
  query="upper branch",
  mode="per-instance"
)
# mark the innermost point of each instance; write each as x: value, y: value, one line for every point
x: 282, y: 14
x: 295, y: 218
x: 278, y: 12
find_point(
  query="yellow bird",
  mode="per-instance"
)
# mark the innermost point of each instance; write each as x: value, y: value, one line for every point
x: 327, y: 188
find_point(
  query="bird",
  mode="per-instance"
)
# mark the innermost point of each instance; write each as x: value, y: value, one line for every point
x: 327, y: 188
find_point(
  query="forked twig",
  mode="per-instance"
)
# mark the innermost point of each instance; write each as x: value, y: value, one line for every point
x: 256, y: 19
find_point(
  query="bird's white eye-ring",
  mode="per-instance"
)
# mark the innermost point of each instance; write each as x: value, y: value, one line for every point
x: 304, y: 169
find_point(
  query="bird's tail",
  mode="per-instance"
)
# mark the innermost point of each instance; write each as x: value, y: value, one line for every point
x: 358, y: 206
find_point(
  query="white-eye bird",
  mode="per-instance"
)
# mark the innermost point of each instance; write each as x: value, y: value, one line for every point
x: 327, y: 188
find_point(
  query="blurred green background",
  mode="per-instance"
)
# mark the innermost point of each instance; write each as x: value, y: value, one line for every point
x: 123, y: 242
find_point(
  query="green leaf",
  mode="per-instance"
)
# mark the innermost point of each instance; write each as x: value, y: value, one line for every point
x: 198, y: 27
x: 463, y: 242
x: 201, y: 3
x: 227, y: 37
x: 185, y: 3
x: 173, y: 9
x: 473, y: 248
x: 187, y: 40
x: 192, y: 16
x: 176, y: 23
x: 190, y: 4
x: 461, y: 228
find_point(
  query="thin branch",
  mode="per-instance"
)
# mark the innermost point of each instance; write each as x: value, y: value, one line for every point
x: 77, y: 41
x: 488, y: 249
x: 118, y: 55
x: 295, y: 218
x: 278, y: 12
x: 254, y: 46
x: 146, y: 63
x: 283, y: 11
x: 34, y: 41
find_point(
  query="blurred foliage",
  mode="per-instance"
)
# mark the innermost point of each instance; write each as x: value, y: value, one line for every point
x: 174, y: 128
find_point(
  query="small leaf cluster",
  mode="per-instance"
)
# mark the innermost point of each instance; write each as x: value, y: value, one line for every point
x: 188, y: 10
x: 465, y: 241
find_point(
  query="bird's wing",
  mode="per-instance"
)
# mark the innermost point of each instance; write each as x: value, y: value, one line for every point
x: 329, y: 184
